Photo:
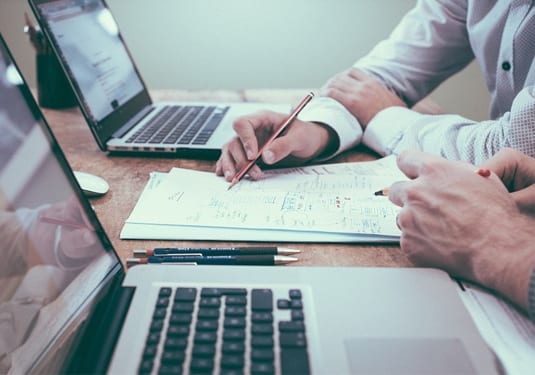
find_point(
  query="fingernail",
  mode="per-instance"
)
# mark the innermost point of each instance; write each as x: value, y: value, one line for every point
x: 227, y: 174
x: 249, y: 153
x: 269, y: 157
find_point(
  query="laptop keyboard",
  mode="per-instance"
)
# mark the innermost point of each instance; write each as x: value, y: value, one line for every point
x: 180, y: 125
x: 226, y: 331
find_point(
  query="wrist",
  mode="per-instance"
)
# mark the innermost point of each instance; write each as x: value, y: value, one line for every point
x: 329, y: 142
x: 514, y: 265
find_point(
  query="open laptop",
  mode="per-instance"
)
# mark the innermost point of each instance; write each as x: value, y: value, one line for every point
x: 112, y: 95
x: 68, y: 306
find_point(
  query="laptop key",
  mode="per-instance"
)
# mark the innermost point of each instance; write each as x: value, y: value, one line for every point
x: 185, y: 294
x: 262, y: 299
x: 294, y: 361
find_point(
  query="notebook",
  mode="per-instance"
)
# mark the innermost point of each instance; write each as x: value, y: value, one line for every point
x: 113, y: 97
x: 68, y: 305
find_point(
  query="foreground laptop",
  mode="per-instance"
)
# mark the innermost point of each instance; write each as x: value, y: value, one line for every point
x: 67, y: 305
x: 112, y: 95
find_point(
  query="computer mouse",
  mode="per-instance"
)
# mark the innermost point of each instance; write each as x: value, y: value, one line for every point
x: 92, y: 185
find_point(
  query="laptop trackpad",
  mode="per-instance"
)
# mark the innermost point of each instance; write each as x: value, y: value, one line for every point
x: 407, y: 356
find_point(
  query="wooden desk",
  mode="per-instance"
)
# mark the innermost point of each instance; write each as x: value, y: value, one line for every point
x: 127, y: 177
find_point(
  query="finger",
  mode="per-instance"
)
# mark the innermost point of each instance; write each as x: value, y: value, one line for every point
x: 417, y: 163
x: 231, y: 154
x: 358, y: 74
x: 255, y: 129
x: 514, y: 168
x: 279, y: 149
x: 410, y: 162
x: 303, y: 141
x: 343, y: 83
x: 525, y: 199
x: 340, y: 95
x: 504, y: 165
x: 397, y: 192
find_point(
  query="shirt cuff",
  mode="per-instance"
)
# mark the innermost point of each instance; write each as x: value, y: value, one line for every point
x: 387, y: 128
x: 331, y: 113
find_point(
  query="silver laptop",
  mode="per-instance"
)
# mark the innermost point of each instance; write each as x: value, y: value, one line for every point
x: 113, y: 97
x: 68, y: 306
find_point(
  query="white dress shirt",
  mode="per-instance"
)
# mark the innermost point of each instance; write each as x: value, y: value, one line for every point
x: 435, y: 40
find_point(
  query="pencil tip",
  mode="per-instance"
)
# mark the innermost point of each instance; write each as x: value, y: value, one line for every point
x: 234, y: 182
x: 383, y: 192
x: 287, y: 251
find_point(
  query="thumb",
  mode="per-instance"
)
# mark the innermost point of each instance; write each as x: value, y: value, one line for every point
x: 279, y: 149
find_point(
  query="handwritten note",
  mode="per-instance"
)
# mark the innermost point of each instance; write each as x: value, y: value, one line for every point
x: 309, y: 199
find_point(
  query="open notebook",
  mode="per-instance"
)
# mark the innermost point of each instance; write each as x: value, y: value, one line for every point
x: 68, y: 306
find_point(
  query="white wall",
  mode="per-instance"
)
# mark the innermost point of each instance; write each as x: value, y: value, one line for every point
x: 233, y: 44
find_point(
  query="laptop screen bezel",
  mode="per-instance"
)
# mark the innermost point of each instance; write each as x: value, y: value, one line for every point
x: 116, y: 271
x: 102, y: 130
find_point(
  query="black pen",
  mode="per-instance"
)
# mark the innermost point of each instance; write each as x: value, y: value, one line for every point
x: 259, y: 250
x: 238, y: 260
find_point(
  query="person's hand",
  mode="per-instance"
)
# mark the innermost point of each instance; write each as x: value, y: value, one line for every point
x: 466, y: 224
x: 301, y: 142
x: 517, y: 172
x: 362, y: 95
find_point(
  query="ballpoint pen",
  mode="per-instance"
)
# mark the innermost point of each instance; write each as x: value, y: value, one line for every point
x: 278, y: 132
x: 480, y: 171
x: 258, y: 250
x: 245, y: 260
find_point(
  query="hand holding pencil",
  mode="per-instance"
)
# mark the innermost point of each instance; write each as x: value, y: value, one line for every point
x: 276, y: 134
x: 300, y: 142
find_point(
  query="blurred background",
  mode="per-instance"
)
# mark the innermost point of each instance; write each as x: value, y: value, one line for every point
x: 235, y: 44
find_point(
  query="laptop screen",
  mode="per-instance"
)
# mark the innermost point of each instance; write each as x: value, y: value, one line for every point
x: 55, y: 256
x: 89, y: 41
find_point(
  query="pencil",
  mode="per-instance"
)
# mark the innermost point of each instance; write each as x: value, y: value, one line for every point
x: 382, y: 193
x: 480, y: 171
x: 279, y: 131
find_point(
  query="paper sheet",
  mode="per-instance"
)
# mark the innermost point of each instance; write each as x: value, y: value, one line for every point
x: 510, y: 334
x: 333, y: 202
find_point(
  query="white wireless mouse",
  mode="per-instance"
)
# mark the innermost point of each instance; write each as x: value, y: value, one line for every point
x: 92, y: 186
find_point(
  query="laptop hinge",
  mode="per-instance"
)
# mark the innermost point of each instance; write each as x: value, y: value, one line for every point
x: 93, y: 352
x: 133, y: 121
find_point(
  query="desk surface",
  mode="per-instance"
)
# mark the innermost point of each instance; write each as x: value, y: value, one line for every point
x: 127, y: 177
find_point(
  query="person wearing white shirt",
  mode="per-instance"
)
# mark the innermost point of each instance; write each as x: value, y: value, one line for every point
x: 370, y: 102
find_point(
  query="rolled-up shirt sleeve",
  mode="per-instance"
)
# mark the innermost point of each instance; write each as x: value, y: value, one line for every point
x: 452, y: 136
x: 331, y: 113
